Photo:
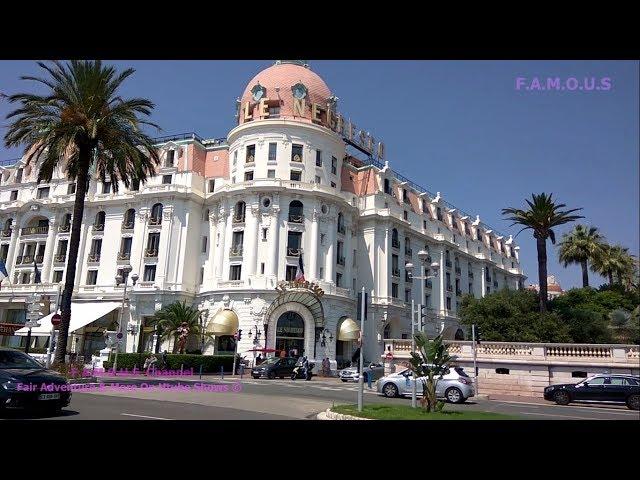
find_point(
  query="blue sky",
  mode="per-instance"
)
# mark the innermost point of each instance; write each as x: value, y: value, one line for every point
x: 457, y: 127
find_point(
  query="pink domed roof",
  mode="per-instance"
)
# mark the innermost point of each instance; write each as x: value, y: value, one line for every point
x: 284, y: 76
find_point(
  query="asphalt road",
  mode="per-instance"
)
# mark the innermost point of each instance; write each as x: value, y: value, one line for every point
x: 274, y: 399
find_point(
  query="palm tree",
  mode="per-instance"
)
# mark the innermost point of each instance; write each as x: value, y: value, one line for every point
x: 79, y: 125
x: 615, y: 260
x: 173, y: 316
x: 543, y: 214
x: 581, y: 246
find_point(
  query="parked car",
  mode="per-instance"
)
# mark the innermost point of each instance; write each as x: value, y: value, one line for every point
x: 455, y: 386
x: 350, y: 374
x: 598, y: 388
x: 274, y: 367
x: 27, y: 384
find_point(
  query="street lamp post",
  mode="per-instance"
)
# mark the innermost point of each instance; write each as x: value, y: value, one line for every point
x: 126, y: 269
x: 203, y: 319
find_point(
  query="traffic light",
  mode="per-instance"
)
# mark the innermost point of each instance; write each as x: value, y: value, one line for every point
x: 423, y: 315
x: 478, y: 336
x: 239, y: 334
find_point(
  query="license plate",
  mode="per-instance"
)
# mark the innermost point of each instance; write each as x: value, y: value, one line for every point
x: 49, y: 396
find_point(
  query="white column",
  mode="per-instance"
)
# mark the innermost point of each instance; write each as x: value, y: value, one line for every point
x: 384, y: 278
x: 221, y: 245
x: 13, y: 243
x: 313, y: 250
x: 348, y: 258
x: 483, y: 280
x: 443, y: 274
x: 212, y: 221
x: 330, y: 259
x: 165, y: 247
x: 48, y: 251
x: 228, y: 238
x: 250, y: 242
x: 274, y: 243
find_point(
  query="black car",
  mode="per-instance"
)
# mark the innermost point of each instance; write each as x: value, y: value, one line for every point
x: 26, y: 384
x: 598, y: 388
x: 274, y: 367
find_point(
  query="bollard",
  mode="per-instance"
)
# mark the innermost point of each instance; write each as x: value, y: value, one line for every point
x: 221, y: 372
x: 200, y: 371
x: 241, y: 370
x: 181, y: 368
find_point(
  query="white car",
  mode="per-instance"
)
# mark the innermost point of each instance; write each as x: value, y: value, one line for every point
x: 351, y: 374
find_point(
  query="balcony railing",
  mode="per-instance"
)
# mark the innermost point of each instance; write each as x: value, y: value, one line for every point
x: 458, y: 270
x: 293, y: 252
x: 235, y: 251
x: 395, y: 272
x: 59, y: 258
x: 296, y: 218
x: 395, y: 243
x: 98, y: 228
x: 64, y: 228
x: 449, y: 288
x: 124, y: 255
x: 342, y: 229
x: 238, y: 219
x: 39, y: 258
x: 340, y: 261
x: 34, y: 231
x: 150, y: 253
x: 128, y: 225
x: 6, y: 233
x: 93, y: 257
x: 26, y: 259
x: 155, y: 220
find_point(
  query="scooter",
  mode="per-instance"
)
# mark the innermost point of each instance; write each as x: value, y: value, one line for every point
x: 298, y: 372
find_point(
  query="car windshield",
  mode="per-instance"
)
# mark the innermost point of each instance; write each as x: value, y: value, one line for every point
x: 461, y: 371
x: 11, y: 359
x: 270, y: 361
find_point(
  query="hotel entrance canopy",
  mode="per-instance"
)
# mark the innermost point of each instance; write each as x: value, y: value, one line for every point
x: 82, y: 314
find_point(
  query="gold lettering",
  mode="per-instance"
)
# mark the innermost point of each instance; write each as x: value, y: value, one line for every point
x: 381, y: 151
x: 299, y: 106
x: 264, y: 107
x: 331, y: 119
x: 316, y: 113
x: 247, y: 112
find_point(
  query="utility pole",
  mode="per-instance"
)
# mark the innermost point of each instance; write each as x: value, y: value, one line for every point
x: 475, y: 367
x: 360, y: 378
x: 413, y: 349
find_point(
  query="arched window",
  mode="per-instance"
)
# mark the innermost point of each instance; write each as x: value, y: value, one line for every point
x: 387, y: 331
x: 395, y: 241
x: 296, y: 212
x: 99, y: 223
x: 156, y: 214
x: 129, y: 219
x: 239, y: 213
x: 341, y: 228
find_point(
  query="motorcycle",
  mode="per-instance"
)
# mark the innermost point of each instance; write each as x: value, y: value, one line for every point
x: 298, y: 372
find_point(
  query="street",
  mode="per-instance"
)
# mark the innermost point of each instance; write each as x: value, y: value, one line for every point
x: 249, y: 399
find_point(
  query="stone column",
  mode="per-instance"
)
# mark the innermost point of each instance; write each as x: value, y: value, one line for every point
x: 13, y: 243
x: 48, y: 250
x: 313, y: 250
x: 443, y: 275
x: 165, y: 247
x: 221, y: 231
x: 274, y: 243
x: 250, y: 242
x: 348, y: 257
x: 483, y: 280
x: 330, y: 259
x: 213, y: 248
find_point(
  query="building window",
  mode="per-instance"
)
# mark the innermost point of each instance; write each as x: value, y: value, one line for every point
x: 19, y: 175
x: 167, y: 179
x: 251, y: 154
x: 296, y: 175
x: 4, y: 252
x: 170, y: 156
x: 394, y: 290
x: 235, y: 272
x: 271, y: 174
x: 273, y: 152
x: 471, y: 288
x: 57, y: 276
x: 135, y: 185
x: 407, y: 295
x: 264, y: 233
x: 439, y: 213
x: 322, y: 236
x: 424, y: 224
x: 149, y: 273
x: 153, y: 244
x: 43, y: 192
x: 204, y: 244
x: 334, y: 165
x: 262, y: 268
x: 125, y: 248
x: 405, y: 195
x: 201, y: 275
x: 448, y: 303
x: 129, y: 219
x: 321, y: 272
x: 14, y: 195
x: 96, y: 248
x: 233, y: 179
x: 296, y: 153
x: 212, y: 185
x: 71, y: 188
x: 274, y: 112
x: 478, y: 235
x: 318, y: 158
x: 405, y: 215
x: 338, y: 279
x: 579, y: 374
x: 92, y: 277
x: 387, y: 186
x: 205, y: 215
x: 290, y: 274
x: 235, y: 158
x: 502, y: 371
x: 248, y: 176
x: 318, y: 180
x: 106, y: 187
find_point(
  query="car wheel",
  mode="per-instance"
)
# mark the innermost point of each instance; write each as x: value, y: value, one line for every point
x: 454, y: 395
x: 390, y: 390
x: 633, y: 402
x: 345, y: 381
x: 280, y: 378
x: 271, y: 375
x: 255, y: 377
x: 561, y: 397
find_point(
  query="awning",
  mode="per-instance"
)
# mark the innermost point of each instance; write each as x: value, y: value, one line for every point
x: 349, y: 330
x: 82, y: 314
x: 224, y: 323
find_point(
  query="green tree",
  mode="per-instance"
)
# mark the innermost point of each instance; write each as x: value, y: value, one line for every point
x: 81, y: 124
x: 172, y: 316
x: 581, y: 246
x: 429, y: 363
x: 541, y: 217
x: 615, y: 261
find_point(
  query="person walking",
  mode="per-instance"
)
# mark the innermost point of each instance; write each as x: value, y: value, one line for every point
x: 164, y: 360
x: 283, y: 353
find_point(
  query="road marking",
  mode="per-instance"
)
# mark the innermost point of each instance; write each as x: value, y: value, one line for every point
x: 143, y: 416
x: 552, y: 415
x: 600, y: 409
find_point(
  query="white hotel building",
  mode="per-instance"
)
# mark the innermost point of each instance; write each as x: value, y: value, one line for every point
x: 224, y: 221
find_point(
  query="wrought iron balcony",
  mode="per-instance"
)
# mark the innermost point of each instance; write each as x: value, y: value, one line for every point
x: 449, y: 288
x: 238, y: 218
x: 293, y: 252
x: 395, y: 272
x: 340, y: 261
x: 93, y: 257
x: 151, y: 253
x: 34, y: 231
x: 128, y: 225
x: 124, y: 255
x: 395, y: 243
x: 98, y: 228
x: 6, y: 233
x: 342, y: 229
x: 59, y: 258
x: 26, y: 259
x: 296, y: 218
x: 155, y: 220
x: 39, y: 258
x: 64, y: 228
x: 235, y: 251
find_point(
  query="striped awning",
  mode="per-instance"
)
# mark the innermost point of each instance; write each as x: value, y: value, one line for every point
x: 303, y: 296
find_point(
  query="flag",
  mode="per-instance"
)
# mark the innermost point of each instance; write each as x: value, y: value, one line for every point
x: 36, y: 273
x: 300, y: 271
x: 3, y: 272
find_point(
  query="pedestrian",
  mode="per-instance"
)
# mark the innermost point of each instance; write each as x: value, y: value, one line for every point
x: 258, y: 359
x: 283, y: 353
x: 164, y: 360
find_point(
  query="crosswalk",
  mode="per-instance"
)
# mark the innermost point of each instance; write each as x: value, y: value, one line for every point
x: 345, y: 387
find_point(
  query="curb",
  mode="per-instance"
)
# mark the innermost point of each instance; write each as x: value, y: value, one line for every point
x: 329, y: 415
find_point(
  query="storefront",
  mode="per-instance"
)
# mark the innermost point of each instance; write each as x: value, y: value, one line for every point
x: 290, y: 334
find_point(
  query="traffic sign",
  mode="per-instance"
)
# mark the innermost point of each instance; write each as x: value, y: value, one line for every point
x: 31, y: 324
x: 56, y: 319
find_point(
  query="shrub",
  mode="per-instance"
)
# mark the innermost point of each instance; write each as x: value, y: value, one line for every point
x: 210, y: 363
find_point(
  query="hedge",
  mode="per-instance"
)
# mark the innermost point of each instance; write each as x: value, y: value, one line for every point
x: 210, y: 363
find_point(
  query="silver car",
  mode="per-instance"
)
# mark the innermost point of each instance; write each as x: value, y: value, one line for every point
x: 350, y: 374
x: 455, y: 387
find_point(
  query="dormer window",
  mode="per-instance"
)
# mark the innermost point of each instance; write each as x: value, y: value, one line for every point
x: 170, y: 157
x: 439, y: 213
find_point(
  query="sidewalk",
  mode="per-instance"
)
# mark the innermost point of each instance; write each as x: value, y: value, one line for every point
x: 518, y: 398
x: 196, y: 378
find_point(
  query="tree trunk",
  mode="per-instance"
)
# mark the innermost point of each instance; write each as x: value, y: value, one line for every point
x: 74, y: 244
x: 585, y: 274
x: 541, y: 243
x: 611, y: 279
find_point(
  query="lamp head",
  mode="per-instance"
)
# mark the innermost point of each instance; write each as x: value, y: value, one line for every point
x: 435, y: 266
x: 134, y: 278
x: 408, y: 267
x: 119, y: 279
x: 423, y: 255
x: 127, y: 269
